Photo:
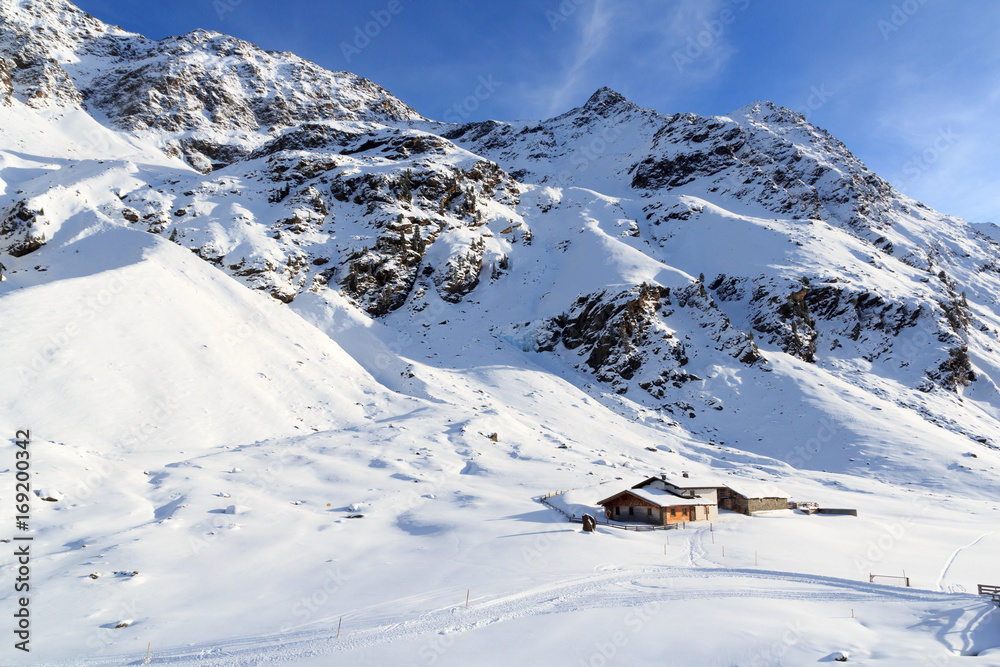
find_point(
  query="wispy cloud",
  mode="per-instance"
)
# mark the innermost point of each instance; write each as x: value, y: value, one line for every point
x: 609, y: 39
x: 938, y: 150
x: 592, y: 37
x: 699, y: 37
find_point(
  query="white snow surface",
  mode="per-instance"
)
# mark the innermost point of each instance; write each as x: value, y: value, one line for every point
x: 311, y: 483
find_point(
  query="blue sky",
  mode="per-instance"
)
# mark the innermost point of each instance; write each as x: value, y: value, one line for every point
x: 912, y: 87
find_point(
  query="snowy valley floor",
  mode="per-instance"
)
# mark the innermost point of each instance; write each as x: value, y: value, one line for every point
x: 245, y: 553
x: 160, y: 422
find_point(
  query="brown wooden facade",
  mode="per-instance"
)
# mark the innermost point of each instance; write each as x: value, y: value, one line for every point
x: 628, y: 507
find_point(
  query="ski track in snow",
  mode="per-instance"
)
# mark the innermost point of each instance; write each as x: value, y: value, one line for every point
x: 954, y: 555
x: 614, y: 589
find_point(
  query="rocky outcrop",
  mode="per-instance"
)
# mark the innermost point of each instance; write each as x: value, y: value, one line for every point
x: 205, y: 80
x: 628, y: 337
x: 210, y: 97
x: 6, y: 82
x: 816, y: 318
x: 22, y: 229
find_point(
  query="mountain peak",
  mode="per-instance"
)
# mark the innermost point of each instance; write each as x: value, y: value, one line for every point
x: 768, y: 111
x: 604, y: 96
x: 178, y: 85
x: 37, y: 6
x: 40, y: 31
x: 58, y: 15
x: 604, y: 100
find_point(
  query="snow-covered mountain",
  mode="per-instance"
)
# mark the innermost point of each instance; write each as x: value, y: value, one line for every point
x: 371, y: 299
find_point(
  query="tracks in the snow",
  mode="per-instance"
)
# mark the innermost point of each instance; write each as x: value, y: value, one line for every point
x: 609, y: 589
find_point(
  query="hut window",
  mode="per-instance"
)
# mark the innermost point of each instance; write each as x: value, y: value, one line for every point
x: 649, y: 512
x: 673, y: 511
x: 618, y: 511
x: 631, y: 510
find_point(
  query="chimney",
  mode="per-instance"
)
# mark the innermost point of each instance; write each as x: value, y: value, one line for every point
x: 684, y: 475
x: 663, y: 476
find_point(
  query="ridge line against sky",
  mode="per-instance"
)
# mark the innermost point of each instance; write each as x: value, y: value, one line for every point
x: 912, y: 87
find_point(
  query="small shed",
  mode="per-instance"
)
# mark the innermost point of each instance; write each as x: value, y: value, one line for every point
x: 749, y: 496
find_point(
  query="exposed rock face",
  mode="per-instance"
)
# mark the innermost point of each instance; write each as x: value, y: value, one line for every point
x: 190, y: 90
x: 628, y: 336
x: 6, y: 82
x: 39, y: 40
x: 308, y: 182
x: 24, y: 226
x: 202, y: 83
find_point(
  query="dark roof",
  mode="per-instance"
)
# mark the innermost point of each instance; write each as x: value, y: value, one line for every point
x: 657, y: 498
x: 748, y: 488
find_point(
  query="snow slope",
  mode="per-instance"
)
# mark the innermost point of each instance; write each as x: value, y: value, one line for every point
x: 297, y: 363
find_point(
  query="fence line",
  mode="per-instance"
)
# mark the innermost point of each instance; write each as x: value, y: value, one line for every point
x: 545, y: 501
x: 992, y: 591
x: 904, y: 579
x: 641, y: 527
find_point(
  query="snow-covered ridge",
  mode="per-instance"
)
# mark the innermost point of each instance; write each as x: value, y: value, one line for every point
x: 323, y: 182
x: 208, y: 96
x: 320, y: 181
x: 232, y: 279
